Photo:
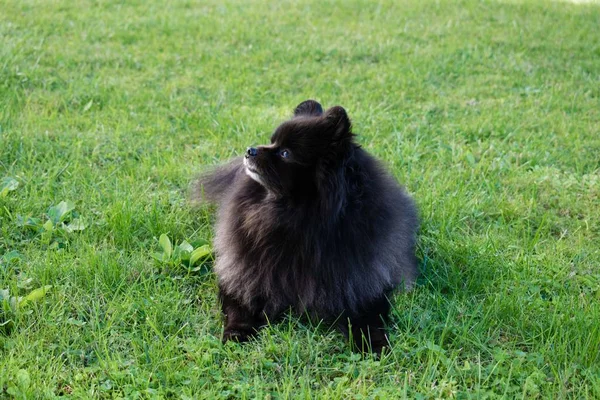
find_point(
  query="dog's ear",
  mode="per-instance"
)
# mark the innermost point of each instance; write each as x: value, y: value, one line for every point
x: 339, y: 123
x: 308, y: 108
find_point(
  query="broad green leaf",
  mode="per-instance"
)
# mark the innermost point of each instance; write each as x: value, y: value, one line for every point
x: 186, y: 246
x: 8, y: 184
x: 24, y: 282
x: 28, y: 222
x: 199, y: 253
x: 11, y: 256
x: 58, y: 212
x: 179, y: 254
x: 35, y: 295
x: 75, y: 225
x: 185, y: 255
x: 158, y: 257
x: 166, y: 245
x: 199, y: 243
x: 23, y: 379
x: 48, y: 226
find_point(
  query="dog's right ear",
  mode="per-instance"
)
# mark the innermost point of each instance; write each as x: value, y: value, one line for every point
x: 308, y: 108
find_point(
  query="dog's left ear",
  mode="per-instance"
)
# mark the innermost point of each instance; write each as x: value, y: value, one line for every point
x: 339, y: 123
x: 308, y: 108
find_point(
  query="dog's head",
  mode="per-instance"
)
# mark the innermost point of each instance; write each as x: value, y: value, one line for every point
x: 299, y: 149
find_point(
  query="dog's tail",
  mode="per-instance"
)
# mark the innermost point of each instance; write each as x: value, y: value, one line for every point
x: 212, y: 186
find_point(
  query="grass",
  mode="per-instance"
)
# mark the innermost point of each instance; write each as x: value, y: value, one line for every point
x: 488, y: 112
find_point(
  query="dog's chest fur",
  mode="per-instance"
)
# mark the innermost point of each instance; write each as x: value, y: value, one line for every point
x: 267, y: 255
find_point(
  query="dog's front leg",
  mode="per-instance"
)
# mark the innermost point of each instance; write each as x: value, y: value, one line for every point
x: 241, y: 322
x: 366, y: 329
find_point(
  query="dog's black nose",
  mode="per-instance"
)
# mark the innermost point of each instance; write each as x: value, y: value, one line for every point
x: 251, y: 152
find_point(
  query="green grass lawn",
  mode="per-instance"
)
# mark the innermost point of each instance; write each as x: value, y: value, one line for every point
x: 488, y: 112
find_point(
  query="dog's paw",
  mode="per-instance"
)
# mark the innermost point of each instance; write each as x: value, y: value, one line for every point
x: 380, y: 345
x: 236, y: 335
x: 375, y: 343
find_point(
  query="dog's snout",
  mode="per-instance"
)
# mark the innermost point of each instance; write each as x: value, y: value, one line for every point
x: 251, y: 152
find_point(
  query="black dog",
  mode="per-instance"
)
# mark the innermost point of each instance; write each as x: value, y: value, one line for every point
x: 311, y: 223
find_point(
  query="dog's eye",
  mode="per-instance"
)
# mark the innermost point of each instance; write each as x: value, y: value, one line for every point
x: 284, y: 153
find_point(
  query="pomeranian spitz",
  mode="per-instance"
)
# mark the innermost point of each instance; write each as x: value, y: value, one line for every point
x: 311, y: 223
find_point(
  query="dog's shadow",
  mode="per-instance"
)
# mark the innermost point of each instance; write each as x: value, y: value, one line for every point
x: 451, y: 294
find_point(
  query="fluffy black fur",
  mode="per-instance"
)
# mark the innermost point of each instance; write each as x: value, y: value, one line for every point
x: 312, y: 223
